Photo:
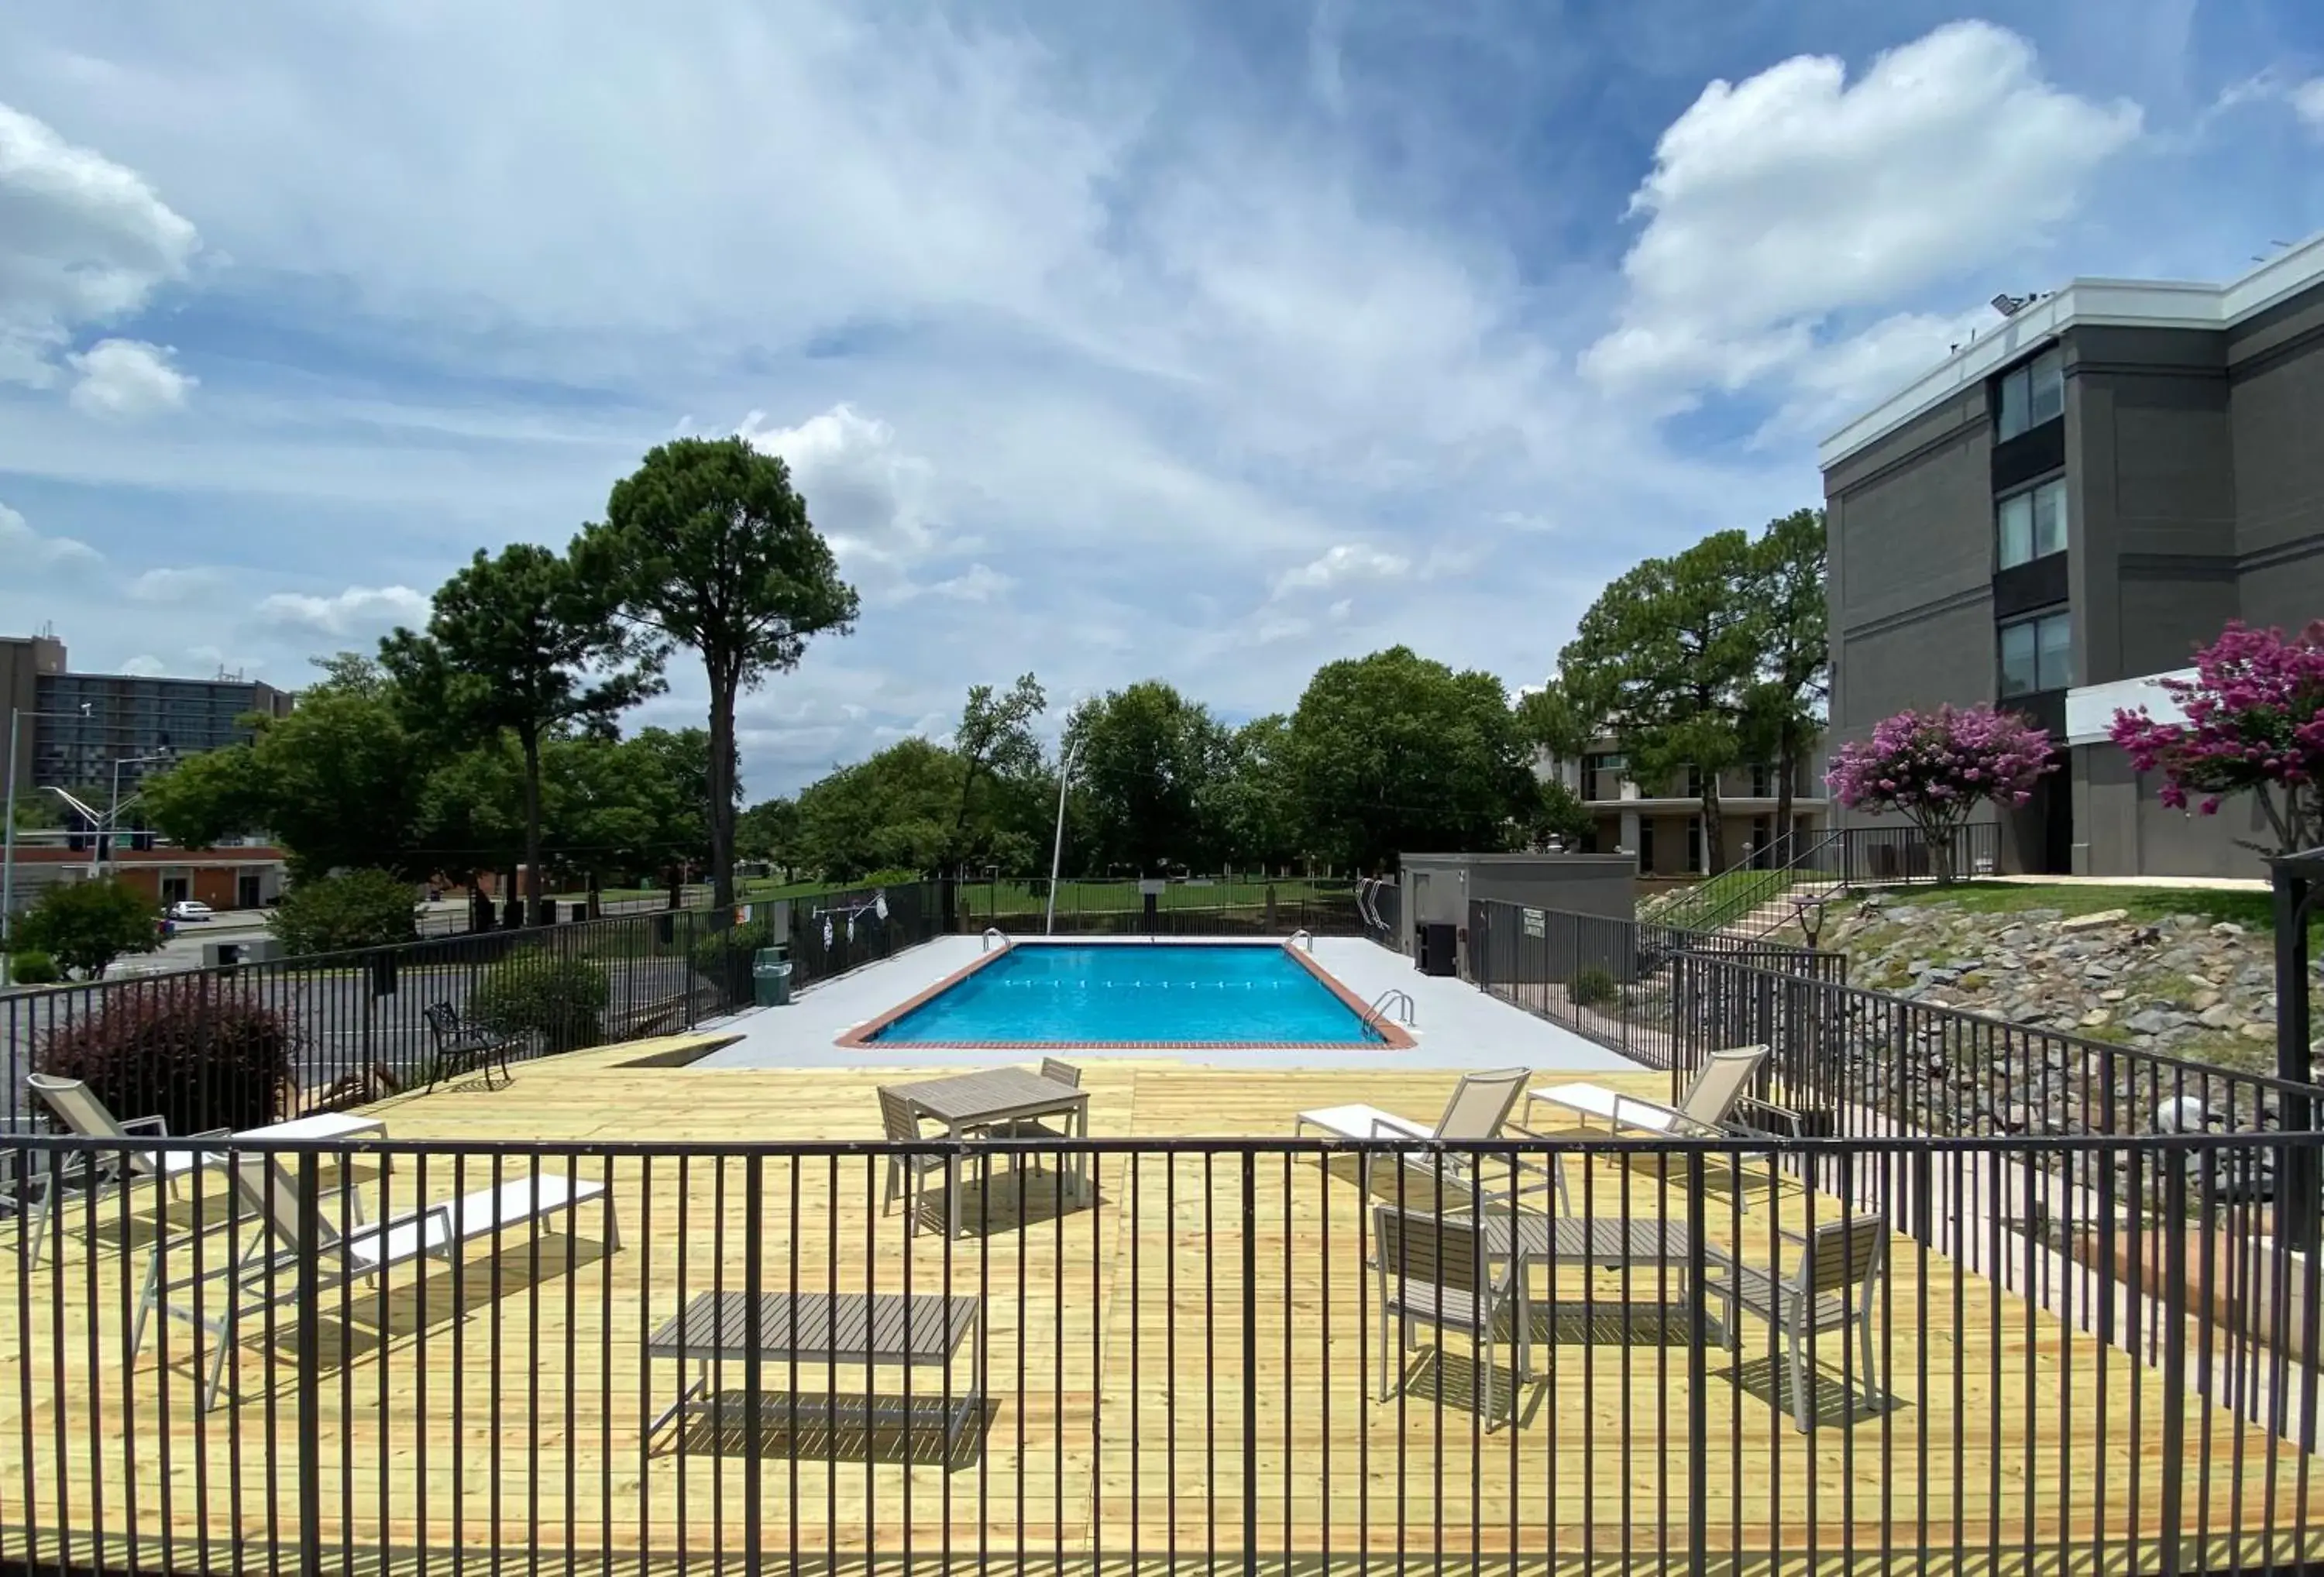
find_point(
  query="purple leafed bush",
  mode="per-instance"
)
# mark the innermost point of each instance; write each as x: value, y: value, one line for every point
x: 1934, y: 768
x: 199, y: 1053
x: 2254, y: 725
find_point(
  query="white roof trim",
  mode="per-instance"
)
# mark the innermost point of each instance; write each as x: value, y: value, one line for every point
x: 2130, y: 303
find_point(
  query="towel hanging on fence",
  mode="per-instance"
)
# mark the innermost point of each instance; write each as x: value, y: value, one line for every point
x: 826, y: 933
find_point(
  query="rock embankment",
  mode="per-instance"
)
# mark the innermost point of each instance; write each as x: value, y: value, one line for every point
x: 2185, y: 985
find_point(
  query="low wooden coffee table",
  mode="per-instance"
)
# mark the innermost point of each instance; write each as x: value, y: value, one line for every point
x: 870, y: 1329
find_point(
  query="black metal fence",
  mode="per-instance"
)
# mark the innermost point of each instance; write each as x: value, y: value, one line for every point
x: 1178, y: 909
x: 1754, y: 899
x: 1216, y: 1354
x: 356, y: 1024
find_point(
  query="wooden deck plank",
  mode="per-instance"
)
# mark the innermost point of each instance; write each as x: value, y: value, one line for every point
x: 1116, y: 1408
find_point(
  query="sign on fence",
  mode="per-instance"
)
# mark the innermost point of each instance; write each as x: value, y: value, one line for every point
x: 1536, y: 925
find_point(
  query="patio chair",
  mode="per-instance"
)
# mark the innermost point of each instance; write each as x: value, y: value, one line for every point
x: 1705, y: 1110
x: 1431, y: 1269
x: 78, y: 1106
x: 1056, y: 1073
x: 1837, y: 1259
x: 1478, y: 1109
x: 462, y: 1048
x: 905, y: 1171
x: 266, y: 1271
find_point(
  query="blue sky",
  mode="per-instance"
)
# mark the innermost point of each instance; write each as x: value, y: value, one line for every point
x: 1210, y: 341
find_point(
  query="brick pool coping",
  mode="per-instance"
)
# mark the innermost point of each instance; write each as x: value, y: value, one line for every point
x: 1393, y: 1037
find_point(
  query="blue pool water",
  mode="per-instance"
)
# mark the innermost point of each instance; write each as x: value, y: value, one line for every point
x: 1069, y: 995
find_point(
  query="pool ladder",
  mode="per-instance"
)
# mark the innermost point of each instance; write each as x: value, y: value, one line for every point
x: 1302, y: 936
x: 1395, y: 999
x: 994, y: 934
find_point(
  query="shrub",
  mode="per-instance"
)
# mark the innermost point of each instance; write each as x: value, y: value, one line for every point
x: 338, y: 914
x: 33, y: 967
x: 201, y: 1053
x: 538, y: 992
x: 1593, y: 983
x: 85, y: 925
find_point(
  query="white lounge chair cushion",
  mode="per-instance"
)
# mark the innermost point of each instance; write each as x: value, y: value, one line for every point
x: 466, y: 1219
x: 323, y: 1125
x: 1363, y: 1122
x: 1630, y: 1111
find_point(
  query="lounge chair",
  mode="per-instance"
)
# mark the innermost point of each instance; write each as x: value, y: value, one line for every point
x: 76, y: 1106
x: 1704, y: 1111
x: 1837, y: 1259
x: 1479, y: 1107
x: 267, y: 1270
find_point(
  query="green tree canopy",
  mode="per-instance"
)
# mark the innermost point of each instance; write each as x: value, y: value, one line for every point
x: 522, y: 642
x: 337, y: 914
x: 891, y: 812
x: 707, y: 546
x: 85, y: 925
x: 1666, y: 660
x: 1145, y: 759
x: 1000, y: 763
x: 1784, y: 706
x: 1249, y: 809
x: 1394, y: 753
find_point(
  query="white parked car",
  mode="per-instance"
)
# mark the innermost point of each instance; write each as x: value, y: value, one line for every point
x: 188, y: 909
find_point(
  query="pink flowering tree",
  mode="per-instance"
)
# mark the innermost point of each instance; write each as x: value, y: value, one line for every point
x: 1934, y: 768
x: 2255, y: 723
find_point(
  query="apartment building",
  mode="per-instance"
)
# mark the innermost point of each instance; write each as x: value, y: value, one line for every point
x: 2062, y: 510
x: 74, y: 729
x: 1662, y: 822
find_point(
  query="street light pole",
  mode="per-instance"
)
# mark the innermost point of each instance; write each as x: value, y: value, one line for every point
x: 113, y: 808
x: 1057, y: 848
x: 16, y: 716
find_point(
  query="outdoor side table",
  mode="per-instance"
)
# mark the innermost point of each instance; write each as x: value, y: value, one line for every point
x: 922, y: 1330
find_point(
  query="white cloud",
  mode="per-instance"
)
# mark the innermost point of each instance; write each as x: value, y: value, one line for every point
x: 865, y: 492
x: 1778, y: 201
x: 1340, y: 563
x: 127, y: 379
x: 1846, y: 376
x: 22, y: 546
x: 2307, y: 102
x: 175, y: 585
x: 145, y: 667
x: 358, y: 609
x: 978, y: 583
x: 83, y: 240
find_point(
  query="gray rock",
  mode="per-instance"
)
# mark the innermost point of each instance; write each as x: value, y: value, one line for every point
x: 2219, y: 1015
x: 2092, y: 921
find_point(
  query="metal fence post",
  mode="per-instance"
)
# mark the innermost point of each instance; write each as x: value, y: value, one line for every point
x: 1250, y: 1364
x: 1698, y: 1416
x: 310, y: 1346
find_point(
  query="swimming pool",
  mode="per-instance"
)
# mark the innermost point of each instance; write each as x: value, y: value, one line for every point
x: 1133, y: 995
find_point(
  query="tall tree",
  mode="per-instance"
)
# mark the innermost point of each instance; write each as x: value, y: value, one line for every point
x: 1250, y: 809
x: 1665, y: 659
x: 891, y: 812
x: 1785, y: 594
x: 706, y: 545
x: 527, y: 643
x: 770, y: 830
x: 1394, y: 753
x: 994, y: 742
x: 1144, y: 757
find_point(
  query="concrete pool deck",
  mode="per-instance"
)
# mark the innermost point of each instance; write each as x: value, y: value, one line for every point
x: 1454, y: 1025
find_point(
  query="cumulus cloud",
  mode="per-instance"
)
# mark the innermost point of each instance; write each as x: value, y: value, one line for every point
x: 1340, y: 564
x: 1778, y: 201
x: 865, y: 492
x: 22, y: 546
x: 126, y: 379
x: 978, y: 583
x: 358, y: 609
x: 83, y: 241
x: 145, y: 667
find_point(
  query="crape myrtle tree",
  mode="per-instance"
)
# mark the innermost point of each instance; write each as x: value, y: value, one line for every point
x: 1935, y: 768
x: 2254, y: 725
x: 708, y: 546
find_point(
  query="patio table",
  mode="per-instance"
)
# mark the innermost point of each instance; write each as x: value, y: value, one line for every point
x: 1598, y: 1243
x: 965, y: 1102
x: 870, y: 1329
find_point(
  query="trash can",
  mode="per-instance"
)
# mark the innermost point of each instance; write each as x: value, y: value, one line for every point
x: 770, y: 978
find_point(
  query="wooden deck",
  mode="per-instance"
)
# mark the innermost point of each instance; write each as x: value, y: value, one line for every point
x: 495, y: 1411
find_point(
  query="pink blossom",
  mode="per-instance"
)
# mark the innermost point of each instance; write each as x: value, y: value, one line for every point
x: 1936, y: 767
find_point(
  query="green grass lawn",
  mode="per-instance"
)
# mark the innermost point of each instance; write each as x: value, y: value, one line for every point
x: 2252, y: 910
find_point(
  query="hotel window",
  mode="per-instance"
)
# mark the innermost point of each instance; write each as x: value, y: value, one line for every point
x: 2032, y: 394
x: 2037, y: 654
x: 2032, y: 524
